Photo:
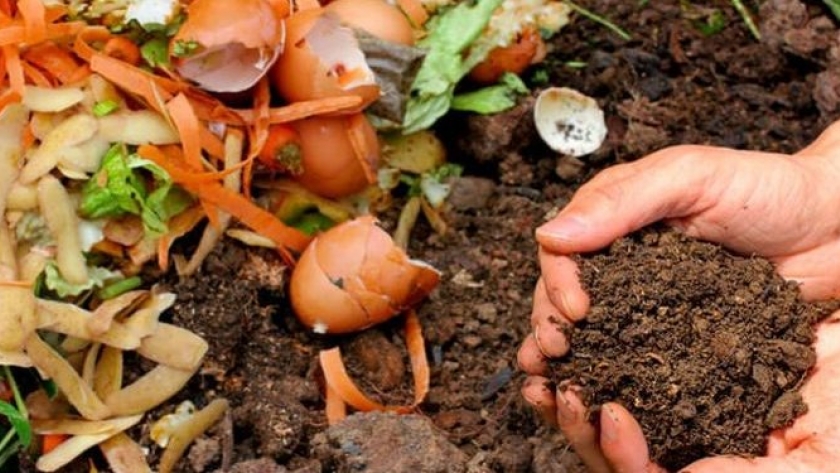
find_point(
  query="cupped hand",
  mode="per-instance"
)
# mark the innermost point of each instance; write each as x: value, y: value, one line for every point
x: 784, y: 208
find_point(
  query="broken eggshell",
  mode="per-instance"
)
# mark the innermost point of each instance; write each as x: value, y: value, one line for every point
x: 322, y: 59
x: 569, y: 122
x: 228, y: 45
x: 353, y: 276
x: 339, y: 155
x: 376, y: 17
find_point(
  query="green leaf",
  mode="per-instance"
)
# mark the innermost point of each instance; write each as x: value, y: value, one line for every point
x: 155, y: 52
x: 97, y: 277
x: 119, y: 187
x: 451, y: 55
x: 115, y: 189
x: 834, y: 6
x: 105, y: 107
x: 493, y: 99
x: 122, y: 286
x: 183, y: 48
x: 19, y: 423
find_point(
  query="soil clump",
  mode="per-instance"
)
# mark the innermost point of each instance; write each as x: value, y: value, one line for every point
x: 705, y: 348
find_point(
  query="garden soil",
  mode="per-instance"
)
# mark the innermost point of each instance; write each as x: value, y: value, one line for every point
x: 705, y: 348
x: 671, y: 83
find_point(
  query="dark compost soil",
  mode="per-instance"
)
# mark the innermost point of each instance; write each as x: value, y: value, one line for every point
x: 704, y: 347
x: 670, y: 84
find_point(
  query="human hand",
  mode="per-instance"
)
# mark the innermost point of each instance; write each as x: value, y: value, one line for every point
x: 781, y: 207
x: 810, y: 445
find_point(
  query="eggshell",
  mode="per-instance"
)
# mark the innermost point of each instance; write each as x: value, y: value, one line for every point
x: 321, y: 303
x: 375, y: 17
x: 569, y: 122
x: 322, y: 59
x: 238, y: 42
x: 354, y: 257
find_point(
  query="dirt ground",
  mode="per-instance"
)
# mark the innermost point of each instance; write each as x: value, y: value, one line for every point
x: 670, y: 84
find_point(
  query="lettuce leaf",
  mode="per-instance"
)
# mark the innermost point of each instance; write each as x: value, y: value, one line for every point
x: 451, y: 55
x: 494, y: 99
x: 97, y: 277
x: 128, y: 184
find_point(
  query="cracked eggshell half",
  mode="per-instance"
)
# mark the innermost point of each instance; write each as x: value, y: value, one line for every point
x: 237, y: 42
x: 569, y: 122
x: 336, y: 286
x: 322, y: 59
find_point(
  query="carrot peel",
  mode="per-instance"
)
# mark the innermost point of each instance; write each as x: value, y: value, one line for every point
x: 339, y: 384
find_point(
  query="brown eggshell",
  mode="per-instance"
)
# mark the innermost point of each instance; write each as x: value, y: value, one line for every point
x: 339, y: 253
x: 349, y: 258
x: 320, y: 303
x: 388, y: 270
x: 322, y: 59
x: 376, y: 17
x: 238, y: 42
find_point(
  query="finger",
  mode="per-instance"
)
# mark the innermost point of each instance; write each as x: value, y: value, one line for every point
x: 826, y: 144
x: 562, y: 285
x: 623, y: 442
x: 801, y: 269
x: 572, y: 417
x: 549, y: 326
x: 732, y: 464
x: 530, y: 357
x: 670, y: 183
x: 539, y: 393
x: 828, y: 337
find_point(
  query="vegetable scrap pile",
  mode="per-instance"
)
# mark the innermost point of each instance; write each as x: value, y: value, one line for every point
x: 705, y: 348
x: 126, y: 125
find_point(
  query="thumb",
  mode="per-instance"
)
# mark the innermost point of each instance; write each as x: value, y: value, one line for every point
x: 671, y: 183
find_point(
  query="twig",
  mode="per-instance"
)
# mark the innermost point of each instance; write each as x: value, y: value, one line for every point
x: 745, y: 15
x: 600, y: 20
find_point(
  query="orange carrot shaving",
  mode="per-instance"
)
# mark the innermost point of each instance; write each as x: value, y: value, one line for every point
x: 305, y: 109
x: 178, y: 226
x: 339, y: 381
x: 35, y: 76
x: 151, y: 88
x: 6, y: 7
x: 33, y: 13
x: 27, y: 138
x: 286, y: 238
x: 211, y: 143
x: 14, y: 68
x: 53, y: 60
x: 356, y: 131
x: 185, y: 121
x: 10, y: 96
x: 301, y: 5
x: 124, y: 49
x: 335, y: 408
x: 82, y: 47
x: 54, y: 12
x: 13, y: 283
x: 415, y: 12
x: 258, y: 133
x: 49, y: 442
x: 210, y: 109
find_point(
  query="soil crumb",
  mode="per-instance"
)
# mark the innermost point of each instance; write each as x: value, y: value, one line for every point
x: 705, y: 348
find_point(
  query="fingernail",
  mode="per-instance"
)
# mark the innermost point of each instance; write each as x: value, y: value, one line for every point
x: 565, y: 228
x: 609, y: 424
x: 564, y: 408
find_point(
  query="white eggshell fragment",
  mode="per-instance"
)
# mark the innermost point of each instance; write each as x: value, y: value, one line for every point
x: 569, y: 122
